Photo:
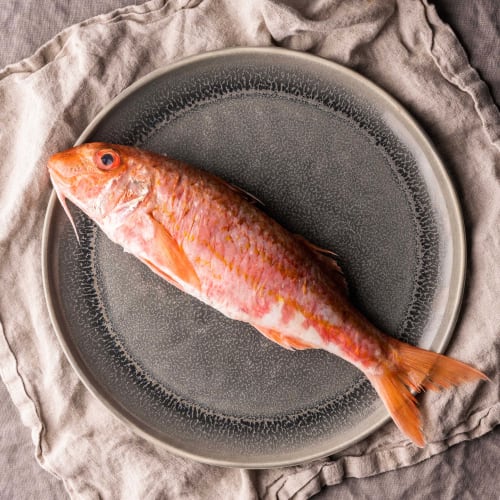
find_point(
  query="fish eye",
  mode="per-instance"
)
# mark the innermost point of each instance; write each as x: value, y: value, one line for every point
x: 107, y: 159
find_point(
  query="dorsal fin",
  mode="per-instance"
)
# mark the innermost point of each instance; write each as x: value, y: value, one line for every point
x: 245, y: 194
x: 328, y: 262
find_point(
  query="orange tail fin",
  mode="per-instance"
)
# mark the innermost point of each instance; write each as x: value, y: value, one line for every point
x: 413, y: 368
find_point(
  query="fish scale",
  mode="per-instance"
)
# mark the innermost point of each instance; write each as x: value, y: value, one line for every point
x: 244, y: 238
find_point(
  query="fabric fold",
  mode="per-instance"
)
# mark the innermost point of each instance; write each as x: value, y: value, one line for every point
x: 454, y: 66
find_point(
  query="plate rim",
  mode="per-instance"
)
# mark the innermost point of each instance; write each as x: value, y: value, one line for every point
x: 380, y: 416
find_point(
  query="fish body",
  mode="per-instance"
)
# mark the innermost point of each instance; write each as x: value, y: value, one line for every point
x: 209, y: 239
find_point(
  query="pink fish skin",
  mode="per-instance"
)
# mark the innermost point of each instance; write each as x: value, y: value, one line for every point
x: 209, y: 239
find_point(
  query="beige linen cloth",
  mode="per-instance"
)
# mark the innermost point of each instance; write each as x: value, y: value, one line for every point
x: 47, y: 100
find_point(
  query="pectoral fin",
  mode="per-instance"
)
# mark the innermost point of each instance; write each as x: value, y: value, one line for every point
x: 162, y: 274
x: 168, y: 259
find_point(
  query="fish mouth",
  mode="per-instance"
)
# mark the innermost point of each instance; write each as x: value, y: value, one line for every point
x: 63, y: 166
x: 58, y: 180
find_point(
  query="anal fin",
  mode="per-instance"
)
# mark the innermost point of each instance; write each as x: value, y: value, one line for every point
x: 285, y: 341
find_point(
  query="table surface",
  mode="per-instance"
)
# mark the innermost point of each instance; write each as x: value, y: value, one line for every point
x: 24, y: 26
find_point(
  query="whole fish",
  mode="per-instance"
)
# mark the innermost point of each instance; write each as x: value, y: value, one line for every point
x: 209, y: 239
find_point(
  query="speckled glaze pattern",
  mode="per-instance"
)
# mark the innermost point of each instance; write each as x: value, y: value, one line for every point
x: 331, y: 158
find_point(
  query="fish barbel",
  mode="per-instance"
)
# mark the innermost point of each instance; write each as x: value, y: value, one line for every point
x: 207, y: 238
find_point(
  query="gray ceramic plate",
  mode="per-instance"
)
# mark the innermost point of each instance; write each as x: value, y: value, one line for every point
x: 333, y: 158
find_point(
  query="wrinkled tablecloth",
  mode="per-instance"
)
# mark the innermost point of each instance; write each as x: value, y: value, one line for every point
x: 49, y: 98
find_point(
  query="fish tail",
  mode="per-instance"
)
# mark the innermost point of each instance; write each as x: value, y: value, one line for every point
x: 411, y: 368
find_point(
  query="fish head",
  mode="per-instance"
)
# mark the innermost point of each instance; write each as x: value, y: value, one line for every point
x: 99, y: 178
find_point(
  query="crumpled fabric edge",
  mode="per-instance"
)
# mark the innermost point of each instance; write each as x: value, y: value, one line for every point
x: 453, y: 63
x: 311, y: 481
x: 49, y: 50
x: 26, y: 406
